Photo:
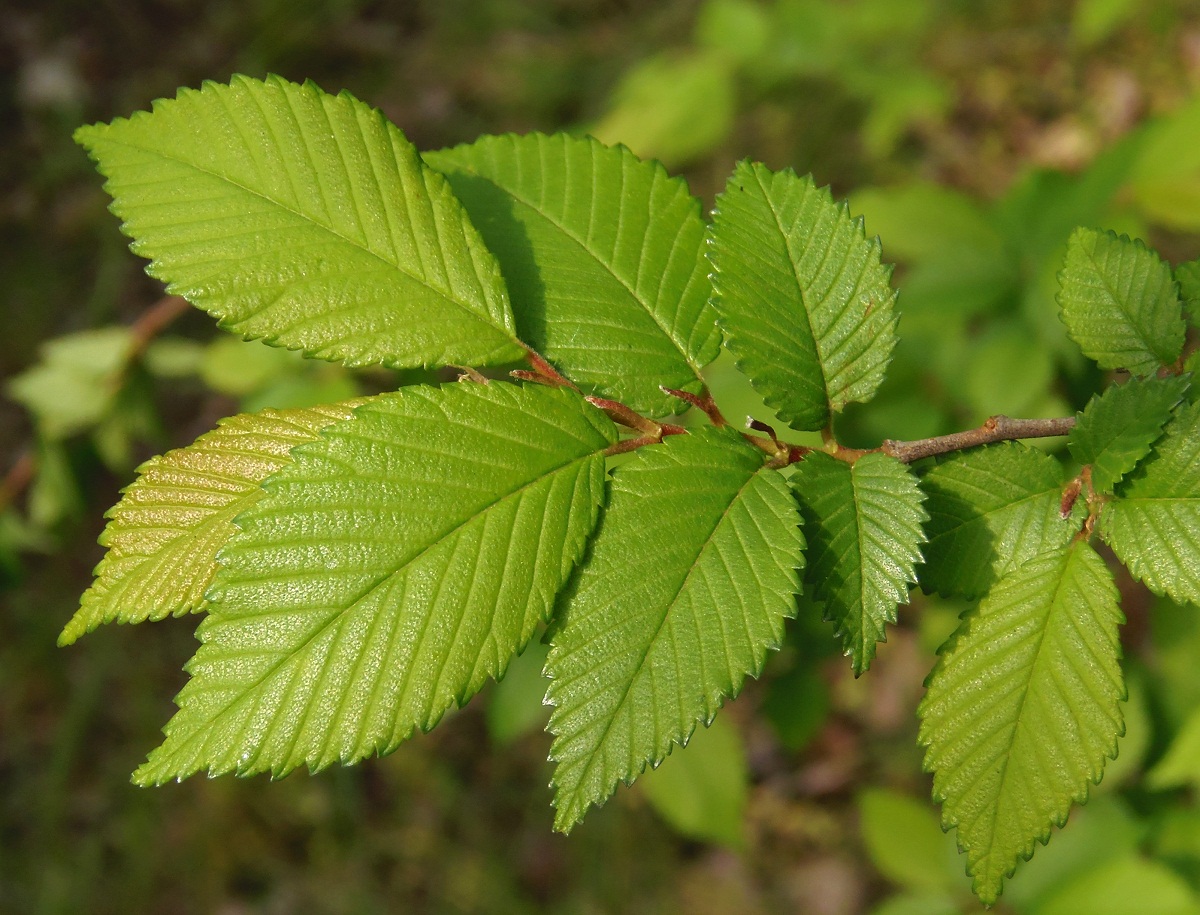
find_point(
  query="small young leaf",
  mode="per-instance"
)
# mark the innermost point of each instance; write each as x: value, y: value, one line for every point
x: 686, y: 588
x: 863, y: 525
x: 906, y: 843
x: 385, y: 575
x: 76, y: 383
x: 801, y: 294
x: 990, y: 509
x: 1118, y: 427
x: 1154, y: 523
x: 1188, y: 277
x: 307, y: 220
x: 702, y: 793
x: 1120, y: 303
x: 1180, y: 765
x: 603, y: 255
x: 164, y: 534
x: 1023, y: 709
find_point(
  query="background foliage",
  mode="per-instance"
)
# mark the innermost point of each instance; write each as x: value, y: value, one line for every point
x: 973, y: 142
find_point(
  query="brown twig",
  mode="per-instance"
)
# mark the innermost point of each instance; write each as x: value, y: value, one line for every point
x: 702, y: 401
x: 153, y: 321
x: 996, y: 429
x: 19, y: 476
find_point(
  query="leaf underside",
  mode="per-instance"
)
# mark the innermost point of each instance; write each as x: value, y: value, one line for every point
x: 1118, y: 427
x: 603, y: 256
x: 686, y: 587
x: 398, y: 563
x: 805, y: 303
x: 863, y: 525
x: 1154, y: 523
x: 990, y: 509
x: 1023, y: 709
x: 164, y: 534
x: 1120, y: 303
x: 306, y: 220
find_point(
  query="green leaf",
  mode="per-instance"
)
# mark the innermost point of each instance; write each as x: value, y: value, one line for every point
x: 603, y: 256
x: 515, y: 706
x: 805, y: 303
x: 674, y: 107
x: 1095, y: 20
x: 1181, y: 763
x: 917, y: 903
x: 1105, y: 830
x: 1165, y: 180
x: 702, y: 793
x: 863, y: 527
x: 1188, y: 277
x: 164, y: 534
x: 76, y: 382
x: 1118, y: 427
x: 1023, y: 708
x: 1154, y: 524
x: 386, y: 574
x: 307, y: 220
x: 1120, y: 303
x: 906, y: 843
x: 1130, y: 885
x: 990, y: 509
x: 687, y: 586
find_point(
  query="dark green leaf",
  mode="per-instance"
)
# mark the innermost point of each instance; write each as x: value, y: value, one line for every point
x: 863, y: 525
x: 990, y: 509
x: 1154, y: 523
x: 1118, y: 427
x: 1120, y: 303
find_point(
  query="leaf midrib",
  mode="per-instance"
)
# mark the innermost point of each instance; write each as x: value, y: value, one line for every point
x: 475, y: 315
x: 680, y: 345
x: 1037, y: 660
x: 812, y: 331
x: 1117, y: 299
x: 708, y: 540
x: 361, y: 596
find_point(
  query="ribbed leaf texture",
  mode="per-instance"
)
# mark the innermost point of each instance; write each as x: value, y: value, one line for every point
x: 1188, y: 277
x: 307, y: 220
x: 1120, y: 303
x: 805, y: 303
x: 1154, y: 524
x: 1023, y: 709
x: 990, y: 509
x: 863, y: 525
x: 385, y: 575
x: 164, y: 534
x: 603, y: 255
x: 686, y: 588
x: 1118, y: 427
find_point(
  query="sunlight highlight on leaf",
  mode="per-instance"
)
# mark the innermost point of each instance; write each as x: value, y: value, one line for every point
x: 306, y: 220
x: 400, y: 562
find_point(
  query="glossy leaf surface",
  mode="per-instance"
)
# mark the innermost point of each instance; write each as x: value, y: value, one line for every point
x: 386, y: 574
x: 306, y: 220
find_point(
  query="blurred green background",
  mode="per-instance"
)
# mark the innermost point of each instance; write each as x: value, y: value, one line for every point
x: 972, y: 136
